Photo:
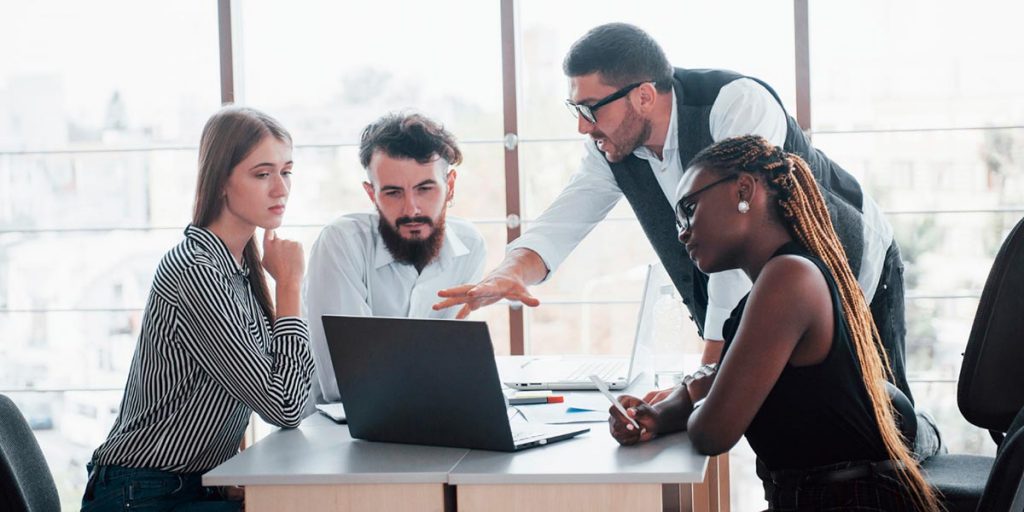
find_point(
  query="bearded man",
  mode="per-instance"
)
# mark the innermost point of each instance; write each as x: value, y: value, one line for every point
x: 392, y: 262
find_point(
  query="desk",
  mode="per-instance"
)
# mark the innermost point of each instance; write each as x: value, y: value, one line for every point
x: 591, y: 472
x: 320, y: 467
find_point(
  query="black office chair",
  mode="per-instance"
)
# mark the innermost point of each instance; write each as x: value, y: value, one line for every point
x: 1003, y: 491
x: 26, y: 484
x: 990, y: 391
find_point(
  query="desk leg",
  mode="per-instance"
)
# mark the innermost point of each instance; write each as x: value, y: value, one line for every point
x: 564, y: 498
x: 344, y: 498
x: 711, y: 495
x: 723, y: 482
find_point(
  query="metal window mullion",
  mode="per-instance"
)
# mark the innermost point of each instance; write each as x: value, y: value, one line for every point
x: 511, y: 129
x: 802, y: 64
x: 226, y: 46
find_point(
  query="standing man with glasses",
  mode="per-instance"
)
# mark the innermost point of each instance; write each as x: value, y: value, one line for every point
x: 646, y: 120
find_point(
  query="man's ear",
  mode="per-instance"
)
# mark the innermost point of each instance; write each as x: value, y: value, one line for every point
x: 451, y: 184
x: 368, y: 187
x: 646, y: 97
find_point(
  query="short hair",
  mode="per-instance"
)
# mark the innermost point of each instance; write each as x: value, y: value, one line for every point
x: 622, y: 53
x: 408, y: 135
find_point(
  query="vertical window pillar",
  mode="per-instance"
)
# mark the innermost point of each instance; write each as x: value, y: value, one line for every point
x: 513, y: 211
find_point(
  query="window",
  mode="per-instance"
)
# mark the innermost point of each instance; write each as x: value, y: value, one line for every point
x: 101, y: 105
x: 326, y: 76
x: 926, y: 113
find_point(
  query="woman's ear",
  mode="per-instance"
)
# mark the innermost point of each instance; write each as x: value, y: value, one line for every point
x: 746, y: 184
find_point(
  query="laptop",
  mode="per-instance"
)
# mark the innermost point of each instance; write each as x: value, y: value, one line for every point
x: 569, y: 373
x: 424, y: 381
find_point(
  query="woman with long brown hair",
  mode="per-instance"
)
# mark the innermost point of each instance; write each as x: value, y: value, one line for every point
x: 213, y: 347
x: 802, y: 373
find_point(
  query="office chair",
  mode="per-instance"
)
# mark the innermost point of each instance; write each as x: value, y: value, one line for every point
x: 1004, y: 491
x: 26, y: 484
x: 990, y: 391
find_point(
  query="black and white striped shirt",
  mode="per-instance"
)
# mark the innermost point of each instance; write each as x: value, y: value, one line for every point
x: 207, y: 358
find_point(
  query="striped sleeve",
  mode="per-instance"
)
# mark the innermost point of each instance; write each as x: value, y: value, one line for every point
x: 215, y: 333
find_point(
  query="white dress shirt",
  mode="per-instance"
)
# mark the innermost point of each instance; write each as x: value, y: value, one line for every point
x: 743, y: 107
x: 351, y: 272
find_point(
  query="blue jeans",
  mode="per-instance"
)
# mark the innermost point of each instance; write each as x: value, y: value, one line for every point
x: 889, y: 312
x: 113, y: 488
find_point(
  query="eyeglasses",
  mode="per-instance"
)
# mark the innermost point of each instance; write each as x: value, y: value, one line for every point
x: 688, y: 203
x: 588, y: 111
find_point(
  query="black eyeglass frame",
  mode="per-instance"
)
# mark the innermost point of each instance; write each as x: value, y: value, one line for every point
x: 589, y: 112
x: 686, y: 205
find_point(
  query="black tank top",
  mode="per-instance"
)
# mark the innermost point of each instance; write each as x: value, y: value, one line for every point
x: 819, y: 414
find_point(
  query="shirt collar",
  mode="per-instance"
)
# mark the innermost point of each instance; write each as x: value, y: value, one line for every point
x: 671, y: 136
x: 451, y: 248
x: 213, y: 245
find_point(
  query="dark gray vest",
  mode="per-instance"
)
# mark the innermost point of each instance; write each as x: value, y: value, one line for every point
x: 696, y: 91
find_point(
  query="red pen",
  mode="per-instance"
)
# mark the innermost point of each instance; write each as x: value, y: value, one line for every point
x: 553, y: 399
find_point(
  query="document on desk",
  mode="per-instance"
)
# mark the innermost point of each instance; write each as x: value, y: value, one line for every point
x: 575, y: 409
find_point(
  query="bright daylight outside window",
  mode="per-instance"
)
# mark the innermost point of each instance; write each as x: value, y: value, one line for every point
x: 933, y: 126
x: 327, y: 76
x: 101, y: 105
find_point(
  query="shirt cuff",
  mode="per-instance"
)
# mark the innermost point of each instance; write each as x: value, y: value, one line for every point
x: 714, y: 320
x: 289, y: 329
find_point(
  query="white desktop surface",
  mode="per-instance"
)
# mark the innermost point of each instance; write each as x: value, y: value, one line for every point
x: 592, y: 458
x: 322, y: 452
x: 318, y: 466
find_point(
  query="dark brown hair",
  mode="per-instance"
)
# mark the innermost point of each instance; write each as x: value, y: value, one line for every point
x: 408, y: 135
x: 228, y: 137
x: 802, y: 209
x: 622, y: 54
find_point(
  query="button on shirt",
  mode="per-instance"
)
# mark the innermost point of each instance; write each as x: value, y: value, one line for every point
x: 351, y: 272
x: 743, y: 107
x: 207, y: 357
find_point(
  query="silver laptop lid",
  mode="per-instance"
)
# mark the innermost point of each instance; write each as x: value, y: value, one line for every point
x: 642, y: 358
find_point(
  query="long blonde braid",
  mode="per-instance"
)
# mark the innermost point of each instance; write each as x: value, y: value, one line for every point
x: 802, y: 208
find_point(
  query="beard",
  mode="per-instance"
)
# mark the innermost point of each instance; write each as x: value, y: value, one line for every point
x: 416, y: 252
x: 631, y: 133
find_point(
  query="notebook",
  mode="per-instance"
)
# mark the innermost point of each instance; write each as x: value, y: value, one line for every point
x: 425, y: 381
x: 334, y: 411
x: 573, y: 372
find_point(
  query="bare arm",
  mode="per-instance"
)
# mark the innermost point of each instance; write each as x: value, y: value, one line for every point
x: 789, y: 311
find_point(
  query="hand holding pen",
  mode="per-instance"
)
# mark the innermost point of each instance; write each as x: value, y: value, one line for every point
x: 630, y: 420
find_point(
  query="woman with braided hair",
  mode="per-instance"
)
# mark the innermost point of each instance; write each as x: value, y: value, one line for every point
x: 802, y: 373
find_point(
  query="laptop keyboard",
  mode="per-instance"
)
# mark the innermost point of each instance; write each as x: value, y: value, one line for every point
x: 606, y: 370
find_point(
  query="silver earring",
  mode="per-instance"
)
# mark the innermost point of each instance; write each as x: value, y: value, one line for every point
x: 743, y: 207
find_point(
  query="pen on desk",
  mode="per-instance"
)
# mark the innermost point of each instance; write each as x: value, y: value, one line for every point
x: 603, y: 388
x: 553, y: 399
